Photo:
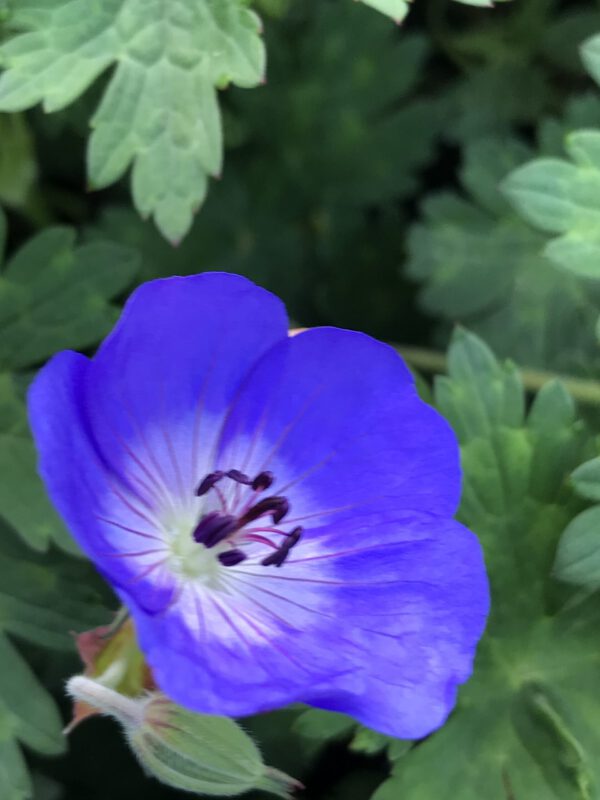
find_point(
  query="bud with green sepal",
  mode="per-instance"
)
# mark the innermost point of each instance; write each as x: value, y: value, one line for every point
x: 192, y: 752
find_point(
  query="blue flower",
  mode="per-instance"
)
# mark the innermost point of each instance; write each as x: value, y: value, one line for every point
x: 275, y: 512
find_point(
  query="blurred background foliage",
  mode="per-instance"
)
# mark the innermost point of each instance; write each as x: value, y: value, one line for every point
x: 385, y: 178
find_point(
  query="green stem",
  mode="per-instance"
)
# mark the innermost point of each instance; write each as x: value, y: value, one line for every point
x: 432, y: 361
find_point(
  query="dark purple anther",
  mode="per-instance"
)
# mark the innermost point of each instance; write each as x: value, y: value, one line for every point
x: 208, y: 482
x: 239, y: 477
x: 263, y: 481
x: 278, y: 507
x: 214, y: 527
x: 231, y: 558
x: 277, y: 558
x: 281, y: 510
x: 218, y: 526
x: 293, y: 538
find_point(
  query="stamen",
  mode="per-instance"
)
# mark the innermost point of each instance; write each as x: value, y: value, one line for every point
x: 214, y: 527
x: 239, y: 477
x: 219, y: 526
x: 277, y: 507
x: 207, y: 483
x: 263, y: 481
x: 231, y: 557
x: 277, y: 558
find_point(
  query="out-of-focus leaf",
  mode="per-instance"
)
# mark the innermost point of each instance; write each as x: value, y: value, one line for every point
x: 586, y: 479
x: 492, y: 99
x: 45, y: 789
x: 524, y: 725
x: 23, y: 499
x: 482, y: 266
x: 54, y: 294
x: 396, y: 9
x: 564, y: 35
x: 160, y: 110
x: 340, y: 129
x: 43, y: 599
x: 368, y: 742
x: 581, y: 111
x: 590, y: 54
x: 18, y: 166
x: 314, y: 723
x: 578, y: 557
x: 563, y: 198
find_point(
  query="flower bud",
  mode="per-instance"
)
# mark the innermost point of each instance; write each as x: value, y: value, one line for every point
x: 191, y: 752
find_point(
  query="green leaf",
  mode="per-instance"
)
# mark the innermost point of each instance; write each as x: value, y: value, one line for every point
x: 586, y: 479
x: 43, y: 599
x: 590, y: 55
x: 492, y: 99
x: 481, y: 265
x: 18, y: 166
x: 564, y: 34
x: 15, y: 783
x: 563, y: 198
x: 335, y: 116
x: 524, y: 724
x: 23, y: 499
x: 314, y: 723
x: 25, y: 706
x: 54, y: 294
x: 396, y: 9
x: 369, y: 742
x: 578, y: 556
x: 159, y: 111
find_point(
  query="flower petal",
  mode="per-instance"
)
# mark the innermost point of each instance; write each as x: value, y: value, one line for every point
x: 162, y: 380
x: 116, y: 436
x: 335, y: 416
x: 104, y: 516
x: 384, y: 630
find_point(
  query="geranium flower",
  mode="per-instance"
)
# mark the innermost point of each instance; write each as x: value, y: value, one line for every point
x: 275, y: 512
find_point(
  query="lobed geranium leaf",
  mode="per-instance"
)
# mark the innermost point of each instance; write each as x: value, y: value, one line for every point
x: 562, y: 197
x: 523, y: 726
x: 54, y: 294
x: 159, y: 111
x: 482, y: 266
